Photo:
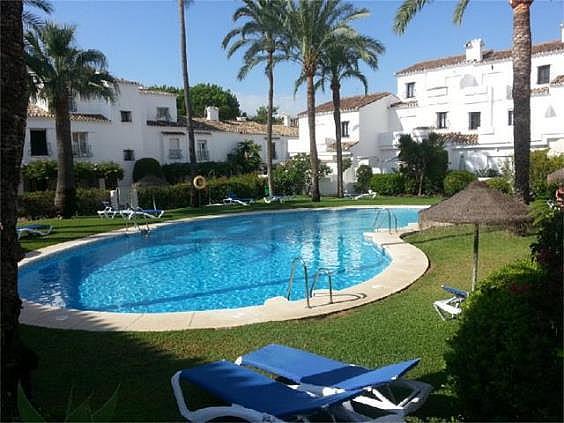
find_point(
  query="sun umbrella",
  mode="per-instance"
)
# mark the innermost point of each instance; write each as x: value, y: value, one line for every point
x: 477, y: 204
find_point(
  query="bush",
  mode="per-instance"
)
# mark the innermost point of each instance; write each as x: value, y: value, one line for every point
x: 388, y: 184
x: 457, y: 180
x: 146, y: 166
x: 40, y: 175
x: 86, y: 174
x: 541, y: 166
x: 180, y: 172
x: 504, y: 359
x: 548, y: 249
x: 39, y: 204
x: 487, y: 172
x: 166, y: 197
x: 363, y: 176
x: 111, y: 172
x: 500, y: 184
x: 294, y: 175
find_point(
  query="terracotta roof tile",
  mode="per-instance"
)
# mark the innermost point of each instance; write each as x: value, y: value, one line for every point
x: 559, y: 80
x: 489, y: 56
x: 155, y: 92
x: 34, y: 111
x: 349, y: 103
x: 535, y: 92
x: 404, y: 104
x: 244, y: 127
x: 458, y: 138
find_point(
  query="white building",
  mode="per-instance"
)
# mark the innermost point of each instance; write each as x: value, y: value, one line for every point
x: 143, y: 123
x: 466, y: 98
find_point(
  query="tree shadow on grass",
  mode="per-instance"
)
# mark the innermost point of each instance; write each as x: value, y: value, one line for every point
x: 96, y: 363
x: 441, y: 401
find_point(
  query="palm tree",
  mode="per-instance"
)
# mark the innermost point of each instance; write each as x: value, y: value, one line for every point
x: 61, y: 72
x: 31, y: 20
x: 311, y: 27
x: 182, y: 5
x: 13, y: 105
x: 261, y: 34
x: 341, y: 61
x: 521, y: 54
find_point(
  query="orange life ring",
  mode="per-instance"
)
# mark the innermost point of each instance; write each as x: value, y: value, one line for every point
x: 200, y: 182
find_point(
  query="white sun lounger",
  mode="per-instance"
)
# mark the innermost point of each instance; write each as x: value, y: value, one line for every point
x: 368, y: 195
x: 34, y: 229
x: 451, y: 307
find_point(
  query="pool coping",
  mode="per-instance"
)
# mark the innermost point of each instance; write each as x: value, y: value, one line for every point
x: 408, y: 263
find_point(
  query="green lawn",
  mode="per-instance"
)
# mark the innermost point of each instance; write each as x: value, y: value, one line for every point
x: 398, y: 328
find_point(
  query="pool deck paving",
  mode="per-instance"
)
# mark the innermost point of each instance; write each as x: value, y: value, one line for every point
x: 408, y: 264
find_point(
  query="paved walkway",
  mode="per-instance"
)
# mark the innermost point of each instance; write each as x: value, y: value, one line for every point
x: 408, y: 264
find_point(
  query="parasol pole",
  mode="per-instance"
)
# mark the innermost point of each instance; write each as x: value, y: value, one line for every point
x: 475, y: 260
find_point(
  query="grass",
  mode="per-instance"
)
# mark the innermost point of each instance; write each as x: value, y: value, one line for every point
x: 68, y: 230
x: 400, y: 327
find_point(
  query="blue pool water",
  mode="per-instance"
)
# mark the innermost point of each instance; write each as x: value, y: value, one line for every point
x: 209, y: 264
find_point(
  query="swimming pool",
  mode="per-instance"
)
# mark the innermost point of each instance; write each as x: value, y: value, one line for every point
x: 219, y: 263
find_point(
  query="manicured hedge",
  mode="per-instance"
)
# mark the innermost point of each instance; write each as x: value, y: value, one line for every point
x: 388, y: 183
x: 145, y: 167
x: 457, y: 180
x: 180, y: 172
x: 500, y: 184
x: 505, y: 360
x: 40, y: 203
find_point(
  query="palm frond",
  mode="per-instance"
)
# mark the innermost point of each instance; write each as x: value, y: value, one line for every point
x: 459, y: 11
x: 406, y: 13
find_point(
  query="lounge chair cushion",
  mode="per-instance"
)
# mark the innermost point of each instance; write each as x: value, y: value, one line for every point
x: 305, y: 367
x: 239, y: 385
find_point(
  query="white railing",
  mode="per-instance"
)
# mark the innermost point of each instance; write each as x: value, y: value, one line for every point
x: 82, y: 150
x: 175, y: 154
x: 203, y: 155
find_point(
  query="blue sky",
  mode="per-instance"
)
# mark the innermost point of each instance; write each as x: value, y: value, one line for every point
x: 140, y: 40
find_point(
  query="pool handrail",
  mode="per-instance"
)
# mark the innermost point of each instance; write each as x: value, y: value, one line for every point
x: 297, y: 260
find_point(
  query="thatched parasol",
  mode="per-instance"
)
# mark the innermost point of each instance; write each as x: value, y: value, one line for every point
x: 556, y: 177
x: 477, y: 204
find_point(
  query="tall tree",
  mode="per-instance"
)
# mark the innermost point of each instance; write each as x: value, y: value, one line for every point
x: 340, y: 61
x: 311, y: 26
x: 62, y: 72
x: 261, y: 35
x: 521, y: 55
x: 13, y: 105
x: 182, y: 5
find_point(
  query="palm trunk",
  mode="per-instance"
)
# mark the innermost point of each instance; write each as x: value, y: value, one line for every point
x: 312, y: 146
x: 65, y: 193
x: 336, y: 88
x: 270, y: 74
x: 14, y: 107
x: 521, y: 53
x: 187, y: 103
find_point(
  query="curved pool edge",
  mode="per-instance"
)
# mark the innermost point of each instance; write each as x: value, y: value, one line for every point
x: 408, y: 264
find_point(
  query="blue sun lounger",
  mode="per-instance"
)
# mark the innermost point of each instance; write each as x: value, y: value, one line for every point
x: 451, y: 307
x: 324, y: 376
x: 255, y: 397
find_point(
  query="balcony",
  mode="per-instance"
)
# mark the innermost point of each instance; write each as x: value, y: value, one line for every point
x: 80, y: 151
x: 203, y: 155
x: 175, y: 154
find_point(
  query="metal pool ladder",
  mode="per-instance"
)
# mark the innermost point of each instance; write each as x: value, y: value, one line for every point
x: 379, y: 220
x: 327, y: 272
x: 298, y: 260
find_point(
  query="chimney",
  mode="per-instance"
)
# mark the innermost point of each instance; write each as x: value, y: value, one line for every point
x: 212, y: 113
x: 285, y: 119
x: 474, y: 50
x: 562, y: 32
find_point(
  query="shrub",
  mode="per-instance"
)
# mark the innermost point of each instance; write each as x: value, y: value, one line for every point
x: 457, y: 180
x: 180, y: 172
x: 487, y: 172
x: 245, y: 157
x: 294, y: 175
x: 245, y: 186
x: 548, y: 249
x: 111, y: 172
x: 363, y: 175
x: 166, y: 197
x: 39, y: 204
x: 388, y: 183
x: 504, y: 360
x: 85, y: 174
x: 40, y: 175
x: 500, y: 184
x: 541, y: 166
x: 146, y: 166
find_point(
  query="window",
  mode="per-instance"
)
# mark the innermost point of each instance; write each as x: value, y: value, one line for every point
x: 410, y: 89
x: 543, y: 74
x: 274, y: 157
x: 345, y: 128
x: 174, y: 152
x: 128, y: 155
x: 510, y: 117
x: 441, y: 120
x: 80, y: 146
x: 38, y: 142
x: 125, y: 115
x: 163, y: 113
x: 474, y: 120
x: 202, y: 153
x: 72, y: 105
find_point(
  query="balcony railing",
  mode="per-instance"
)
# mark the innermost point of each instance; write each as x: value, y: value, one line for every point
x: 203, y: 155
x: 175, y: 154
x: 82, y: 150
